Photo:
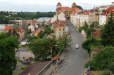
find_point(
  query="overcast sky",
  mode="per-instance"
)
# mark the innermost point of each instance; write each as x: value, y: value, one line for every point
x: 47, y: 5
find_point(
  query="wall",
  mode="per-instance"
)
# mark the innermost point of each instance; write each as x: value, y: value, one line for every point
x: 102, y: 19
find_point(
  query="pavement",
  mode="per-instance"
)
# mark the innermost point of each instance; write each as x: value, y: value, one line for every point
x: 75, y: 59
x: 35, y: 68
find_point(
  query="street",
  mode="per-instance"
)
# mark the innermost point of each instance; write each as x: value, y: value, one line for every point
x: 75, y: 59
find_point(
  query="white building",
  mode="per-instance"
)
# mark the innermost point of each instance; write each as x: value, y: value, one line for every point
x: 102, y: 19
x: 60, y: 17
x: 79, y: 19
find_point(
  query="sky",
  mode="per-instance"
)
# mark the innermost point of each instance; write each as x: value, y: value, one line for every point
x: 47, y: 5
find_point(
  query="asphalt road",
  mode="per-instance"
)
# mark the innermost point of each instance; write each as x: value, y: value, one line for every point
x: 74, y: 58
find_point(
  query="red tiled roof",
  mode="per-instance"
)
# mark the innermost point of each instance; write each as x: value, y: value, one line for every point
x: 8, y: 27
x: 67, y: 9
x: 70, y: 9
x: 59, y: 23
x: 85, y: 12
x: 110, y: 9
x: 104, y: 7
x: 30, y: 22
x: 75, y: 9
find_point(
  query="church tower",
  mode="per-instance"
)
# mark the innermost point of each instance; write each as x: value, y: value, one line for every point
x: 59, y: 5
x: 74, y: 5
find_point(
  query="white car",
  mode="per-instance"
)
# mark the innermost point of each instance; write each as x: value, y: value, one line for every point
x: 77, y: 46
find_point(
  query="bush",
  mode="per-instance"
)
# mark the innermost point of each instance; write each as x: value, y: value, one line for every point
x: 91, y: 43
x: 87, y: 45
x: 42, y: 48
x: 111, y: 67
x: 108, y: 32
x: 105, y: 73
x: 8, y: 44
x: 103, y: 59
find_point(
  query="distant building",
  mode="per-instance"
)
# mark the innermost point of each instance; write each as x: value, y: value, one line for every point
x: 18, y: 22
x: 21, y: 33
x: 25, y: 22
x: 63, y: 14
x: 98, y: 14
x: 79, y: 17
x: 59, y: 28
x: 67, y: 10
x: 6, y: 27
x: 104, y: 13
x: 30, y: 22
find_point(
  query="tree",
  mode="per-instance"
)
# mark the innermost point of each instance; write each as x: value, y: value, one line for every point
x: 89, y: 28
x: 87, y: 45
x: 111, y: 67
x: 107, y: 72
x: 7, y: 54
x: 47, y: 31
x: 44, y: 14
x: 47, y: 47
x: 103, y: 59
x: 108, y: 32
x: 61, y: 44
x: 42, y: 48
x: 91, y: 43
x: 4, y: 19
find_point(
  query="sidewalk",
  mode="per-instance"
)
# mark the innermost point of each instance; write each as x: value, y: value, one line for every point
x: 35, y: 68
x: 53, y: 70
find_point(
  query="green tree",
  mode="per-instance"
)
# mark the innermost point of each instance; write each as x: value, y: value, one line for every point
x: 89, y: 28
x: 47, y: 31
x: 46, y: 47
x: 4, y: 19
x: 42, y: 48
x: 61, y: 44
x: 111, y: 67
x: 91, y: 43
x: 107, y: 72
x: 108, y: 32
x: 103, y: 59
x: 7, y: 54
x: 87, y: 45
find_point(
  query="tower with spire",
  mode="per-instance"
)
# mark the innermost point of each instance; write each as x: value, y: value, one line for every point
x: 74, y: 5
x: 59, y: 5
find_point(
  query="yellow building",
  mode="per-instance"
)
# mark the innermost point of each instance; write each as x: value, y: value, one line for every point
x: 67, y: 10
x: 59, y: 28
